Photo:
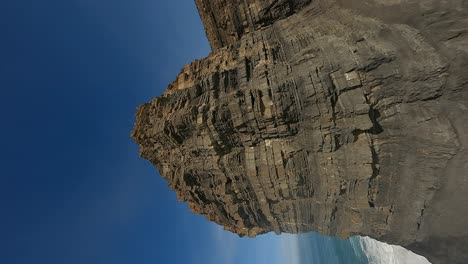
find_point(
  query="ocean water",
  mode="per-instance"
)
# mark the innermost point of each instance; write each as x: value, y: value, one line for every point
x: 317, y: 249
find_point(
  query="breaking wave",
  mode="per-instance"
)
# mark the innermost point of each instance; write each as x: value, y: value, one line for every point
x: 381, y: 253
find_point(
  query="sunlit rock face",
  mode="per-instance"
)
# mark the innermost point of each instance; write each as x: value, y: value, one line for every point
x: 342, y: 117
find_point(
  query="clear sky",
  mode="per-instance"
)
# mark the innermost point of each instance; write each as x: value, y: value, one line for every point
x: 72, y: 187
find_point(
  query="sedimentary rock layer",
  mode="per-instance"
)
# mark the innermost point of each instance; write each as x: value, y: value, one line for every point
x: 341, y: 117
x: 227, y: 21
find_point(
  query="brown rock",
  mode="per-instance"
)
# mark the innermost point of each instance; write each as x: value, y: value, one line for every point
x: 342, y: 117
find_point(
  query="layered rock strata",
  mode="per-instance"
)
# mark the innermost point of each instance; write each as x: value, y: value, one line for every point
x: 341, y: 117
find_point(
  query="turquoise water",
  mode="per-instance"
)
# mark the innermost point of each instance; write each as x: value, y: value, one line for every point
x: 317, y: 249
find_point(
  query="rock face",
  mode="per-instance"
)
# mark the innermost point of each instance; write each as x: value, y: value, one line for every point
x: 342, y: 117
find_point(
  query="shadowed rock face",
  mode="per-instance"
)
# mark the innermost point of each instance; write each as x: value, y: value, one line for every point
x: 341, y: 117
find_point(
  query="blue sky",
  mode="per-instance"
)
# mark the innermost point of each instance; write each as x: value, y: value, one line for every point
x: 72, y: 187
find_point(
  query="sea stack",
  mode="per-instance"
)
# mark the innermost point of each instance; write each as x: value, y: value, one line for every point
x: 344, y: 117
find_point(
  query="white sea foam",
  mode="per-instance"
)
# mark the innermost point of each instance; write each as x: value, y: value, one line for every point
x: 382, y: 253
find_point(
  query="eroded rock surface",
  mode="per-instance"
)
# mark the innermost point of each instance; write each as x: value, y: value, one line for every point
x: 341, y: 117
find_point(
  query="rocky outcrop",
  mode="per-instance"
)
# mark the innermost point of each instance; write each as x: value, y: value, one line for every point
x: 341, y: 117
x: 227, y: 21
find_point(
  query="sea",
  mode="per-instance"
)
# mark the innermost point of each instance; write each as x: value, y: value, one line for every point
x: 317, y: 249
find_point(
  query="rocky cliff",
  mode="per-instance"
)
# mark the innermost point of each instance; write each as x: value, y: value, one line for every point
x: 342, y: 117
